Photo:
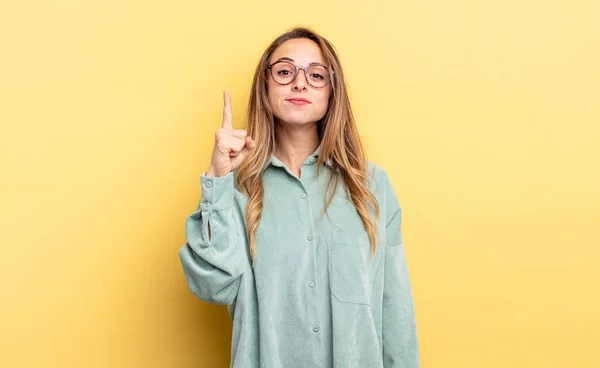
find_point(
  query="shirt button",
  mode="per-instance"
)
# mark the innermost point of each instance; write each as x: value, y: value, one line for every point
x: 316, y: 329
x: 311, y: 284
x: 303, y: 195
x: 208, y: 184
x: 206, y: 204
x: 309, y: 238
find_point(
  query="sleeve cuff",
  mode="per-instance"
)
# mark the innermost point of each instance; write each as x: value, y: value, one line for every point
x: 217, y: 192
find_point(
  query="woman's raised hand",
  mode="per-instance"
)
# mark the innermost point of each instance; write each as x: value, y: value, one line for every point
x: 231, y: 145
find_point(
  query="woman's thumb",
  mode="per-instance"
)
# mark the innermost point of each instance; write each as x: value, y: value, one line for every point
x: 250, y: 144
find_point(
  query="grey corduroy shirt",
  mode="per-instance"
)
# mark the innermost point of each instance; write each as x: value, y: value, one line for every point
x: 313, y: 298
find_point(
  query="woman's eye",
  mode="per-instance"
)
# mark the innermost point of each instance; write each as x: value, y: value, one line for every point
x: 318, y: 76
x: 283, y: 72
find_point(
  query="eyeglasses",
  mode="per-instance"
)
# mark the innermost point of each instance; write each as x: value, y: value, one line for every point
x: 284, y: 72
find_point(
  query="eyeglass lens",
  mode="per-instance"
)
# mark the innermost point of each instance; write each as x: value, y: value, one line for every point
x: 316, y: 75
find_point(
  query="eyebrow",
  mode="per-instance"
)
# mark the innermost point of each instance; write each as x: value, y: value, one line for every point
x: 285, y: 58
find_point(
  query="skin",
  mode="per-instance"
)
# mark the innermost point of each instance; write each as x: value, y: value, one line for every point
x: 297, y: 135
x: 231, y: 145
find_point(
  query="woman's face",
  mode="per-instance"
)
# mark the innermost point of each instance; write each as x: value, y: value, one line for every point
x: 300, y: 52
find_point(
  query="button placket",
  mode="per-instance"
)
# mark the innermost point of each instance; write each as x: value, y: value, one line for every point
x: 309, y: 237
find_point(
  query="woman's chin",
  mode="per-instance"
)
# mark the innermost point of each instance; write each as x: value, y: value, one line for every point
x: 297, y: 120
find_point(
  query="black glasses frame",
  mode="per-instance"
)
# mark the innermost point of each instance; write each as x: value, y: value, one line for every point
x: 297, y: 70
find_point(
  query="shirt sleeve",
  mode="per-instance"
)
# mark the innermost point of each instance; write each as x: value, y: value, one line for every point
x: 214, y: 266
x: 400, y: 343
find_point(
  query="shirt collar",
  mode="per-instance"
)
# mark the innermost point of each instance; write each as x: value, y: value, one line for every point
x: 310, y: 160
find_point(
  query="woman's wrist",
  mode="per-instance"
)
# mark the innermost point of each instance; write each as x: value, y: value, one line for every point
x: 211, y: 173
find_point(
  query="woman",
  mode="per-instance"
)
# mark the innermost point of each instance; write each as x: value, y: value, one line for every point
x: 296, y: 231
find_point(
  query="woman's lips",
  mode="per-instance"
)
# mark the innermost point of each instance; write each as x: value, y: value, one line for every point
x: 298, y: 101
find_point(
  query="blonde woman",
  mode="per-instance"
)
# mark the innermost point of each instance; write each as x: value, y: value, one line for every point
x: 296, y: 232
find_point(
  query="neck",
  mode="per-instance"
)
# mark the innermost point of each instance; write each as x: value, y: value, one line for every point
x: 294, y: 143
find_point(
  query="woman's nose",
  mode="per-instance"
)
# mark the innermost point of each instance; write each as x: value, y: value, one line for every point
x: 300, y: 82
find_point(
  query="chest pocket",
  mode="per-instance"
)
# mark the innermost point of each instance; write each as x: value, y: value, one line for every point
x: 352, y: 271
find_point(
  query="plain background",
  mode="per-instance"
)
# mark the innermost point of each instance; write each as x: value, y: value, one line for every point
x: 484, y: 113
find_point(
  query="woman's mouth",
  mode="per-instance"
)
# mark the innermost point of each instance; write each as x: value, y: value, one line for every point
x: 298, y: 101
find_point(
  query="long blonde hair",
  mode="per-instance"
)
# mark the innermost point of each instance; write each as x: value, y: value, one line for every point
x: 339, y: 142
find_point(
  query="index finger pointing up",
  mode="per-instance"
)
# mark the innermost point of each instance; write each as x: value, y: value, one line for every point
x: 226, y: 111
